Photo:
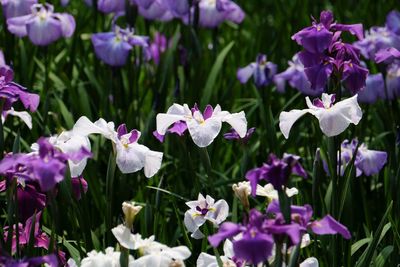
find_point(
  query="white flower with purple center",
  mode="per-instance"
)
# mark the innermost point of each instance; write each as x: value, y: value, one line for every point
x: 131, y: 156
x: 333, y: 118
x: 203, y: 127
x: 202, y: 210
x: 42, y: 26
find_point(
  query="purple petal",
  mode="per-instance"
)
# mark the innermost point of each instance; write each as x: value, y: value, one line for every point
x: 17, y: 25
x: 314, y: 39
x: 354, y: 29
x: 225, y: 231
x: 387, y: 55
x: 354, y: 76
x: 78, y: 183
x: 43, y: 32
x: 329, y: 226
x: 318, y: 75
x: 244, y: 74
x: 374, y: 89
x: 159, y: 137
x: 370, y: 162
x: 122, y: 130
x: 393, y: 21
x: 208, y: 111
x: 254, y: 249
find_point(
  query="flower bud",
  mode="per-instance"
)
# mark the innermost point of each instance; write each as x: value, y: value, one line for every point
x: 130, y: 211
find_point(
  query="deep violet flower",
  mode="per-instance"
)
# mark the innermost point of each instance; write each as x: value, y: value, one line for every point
x: 325, y: 54
x: 233, y: 135
x: 276, y: 171
x: 261, y: 70
x: 16, y: 8
x: 46, y: 167
x: 42, y: 26
x: 113, y: 47
x: 30, y: 199
x: 296, y: 78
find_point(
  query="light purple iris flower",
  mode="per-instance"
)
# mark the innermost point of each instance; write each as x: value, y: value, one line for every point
x: 387, y: 55
x: 42, y: 26
x: 261, y: 70
x: 16, y: 8
x: 367, y: 162
x: 325, y: 54
x: 113, y: 47
x: 374, y: 89
x: 393, y: 21
x: 13, y: 92
x: 276, y: 171
x: 46, y: 167
x: 214, y: 12
x: 297, y: 78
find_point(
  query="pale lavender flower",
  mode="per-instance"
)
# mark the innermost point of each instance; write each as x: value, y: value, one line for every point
x: 113, y: 47
x: 111, y: 6
x: 42, y: 26
x: 374, y: 89
x: 154, y: 9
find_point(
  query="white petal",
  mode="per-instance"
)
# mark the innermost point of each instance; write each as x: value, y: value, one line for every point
x: 335, y: 120
x: 148, y: 260
x: 221, y: 211
x: 228, y: 249
x: 310, y: 262
x: 206, y: 260
x: 164, y: 121
x: 238, y: 122
x: 178, y: 253
x: 152, y: 163
x: 124, y: 236
x: 23, y: 115
x: 203, y: 134
x: 85, y: 127
x: 287, y: 119
x: 131, y: 158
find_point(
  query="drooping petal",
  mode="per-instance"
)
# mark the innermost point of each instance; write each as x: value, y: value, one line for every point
x: 393, y: 21
x: 333, y: 121
x: 43, y: 32
x: 244, y: 74
x: 67, y: 24
x: 309, y: 262
x: 124, y: 236
x: 174, y: 114
x: 370, y: 162
x: 17, y: 25
x: 204, y: 133
x: 226, y: 230
x: 23, y: 115
x: 329, y: 226
x: 131, y: 158
x: 238, y: 122
x: 152, y: 163
x: 287, y: 119
x: 374, y: 89
x: 254, y: 249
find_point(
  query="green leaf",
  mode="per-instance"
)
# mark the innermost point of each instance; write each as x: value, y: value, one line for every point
x: 383, y: 256
x: 212, y: 77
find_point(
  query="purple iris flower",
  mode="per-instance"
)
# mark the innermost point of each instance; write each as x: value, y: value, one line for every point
x: 51, y: 260
x: 302, y: 215
x: 156, y: 48
x: 261, y: 70
x: 393, y: 21
x: 387, y: 55
x: 253, y: 241
x: 233, y: 135
x: 178, y: 7
x: 42, y: 25
x: 47, y: 167
x: 16, y: 8
x: 113, y: 47
x: 254, y: 246
x: 367, y: 162
x: 276, y: 171
x: 30, y: 199
x: 214, y: 12
x: 297, y: 78
x: 13, y: 92
x: 374, y: 89
x: 111, y: 6
x: 325, y: 54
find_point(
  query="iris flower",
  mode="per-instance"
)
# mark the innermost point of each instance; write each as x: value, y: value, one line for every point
x: 202, y: 210
x: 333, y: 118
x: 42, y: 26
x: 203, y: 127
x: 261, y: 70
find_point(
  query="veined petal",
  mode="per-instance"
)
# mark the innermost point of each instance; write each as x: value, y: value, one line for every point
x: 67, y: 24
x: 333, y: 121
x: 85, y: 127
x: 221, y: 211
x: 287, y: 119
x: 370, y: 162
x: 204, y: 133
x: 17, y: 25
x: 152, y: 163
